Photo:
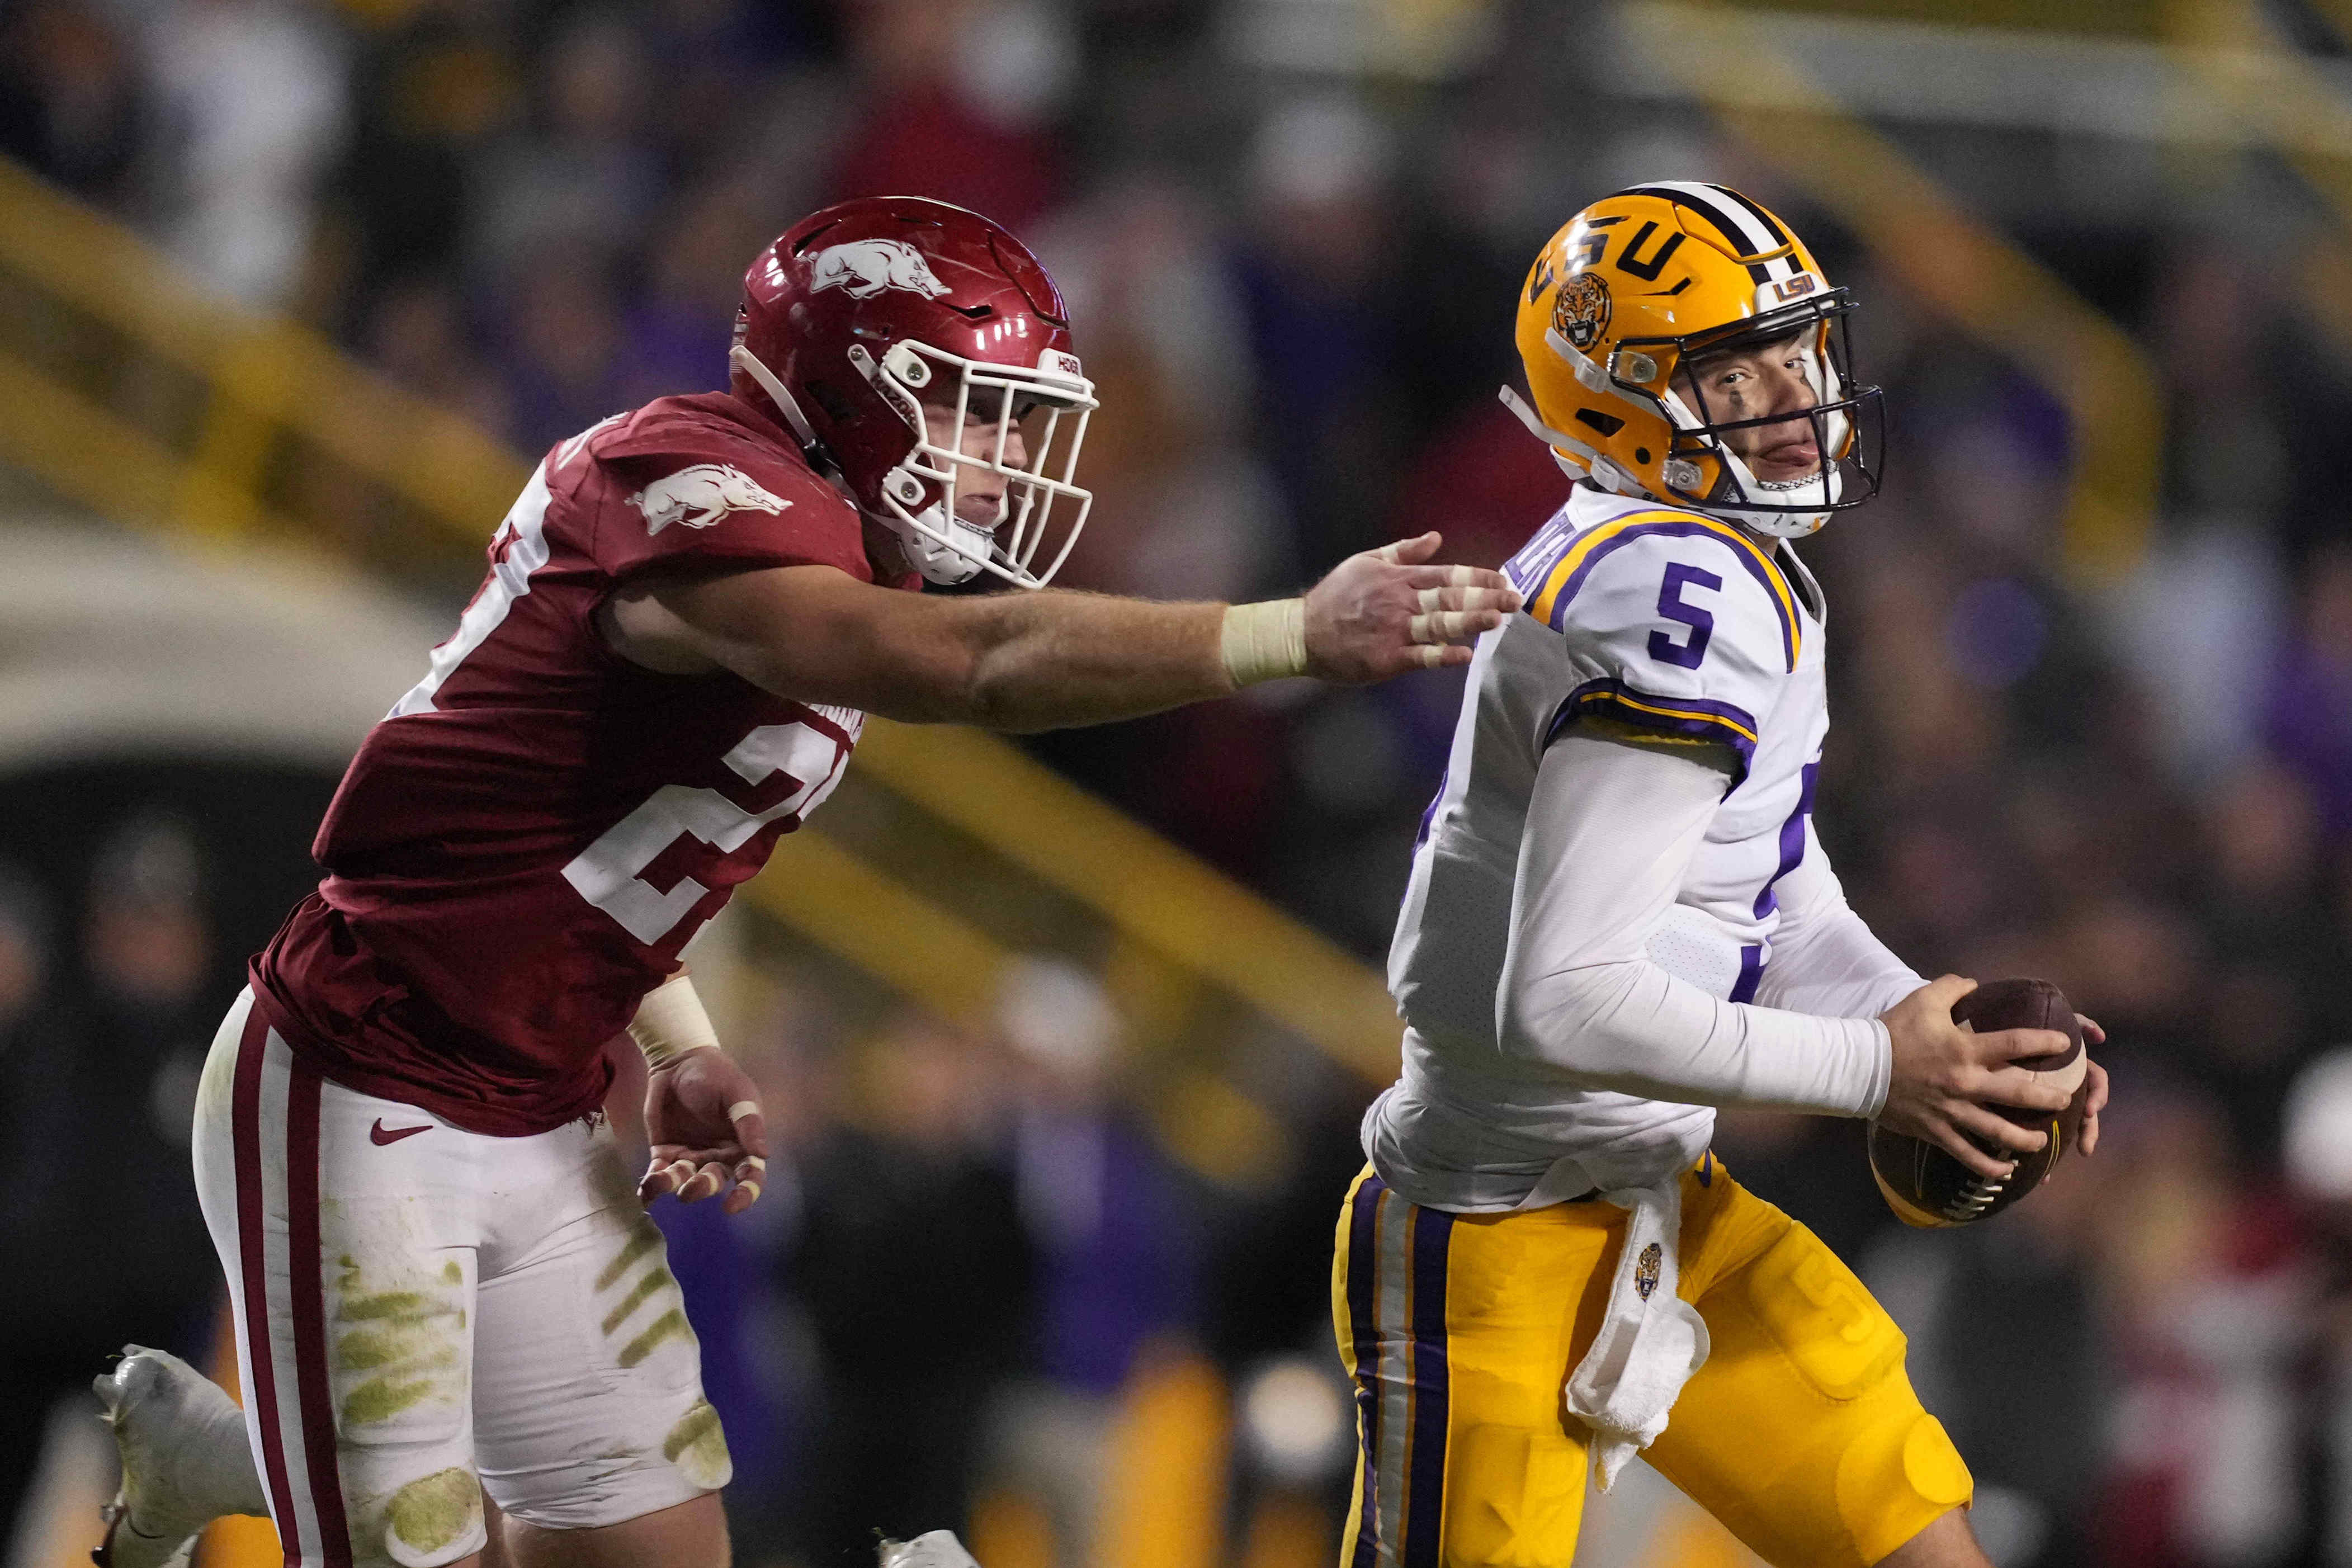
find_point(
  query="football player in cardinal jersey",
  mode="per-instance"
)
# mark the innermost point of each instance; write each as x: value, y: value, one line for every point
x: 444, y: 1282
x: 1618, y: 919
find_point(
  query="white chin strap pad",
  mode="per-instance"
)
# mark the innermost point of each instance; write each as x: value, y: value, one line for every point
x: 938, y: 562
x: 1778, y: 524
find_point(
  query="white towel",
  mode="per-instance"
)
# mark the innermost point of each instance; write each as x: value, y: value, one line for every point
x: 1651, y: 1339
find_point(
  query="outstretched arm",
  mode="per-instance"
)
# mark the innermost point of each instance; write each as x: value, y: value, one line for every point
x: 1051, y: 659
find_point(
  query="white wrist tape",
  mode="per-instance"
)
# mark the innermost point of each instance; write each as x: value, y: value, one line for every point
x: 670, y: 1022
x: 1264, y: 641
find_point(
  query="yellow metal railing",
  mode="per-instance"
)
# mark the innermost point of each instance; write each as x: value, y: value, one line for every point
x: 2239, y: 60
x: 131, y: 392
x: 1954, y: 265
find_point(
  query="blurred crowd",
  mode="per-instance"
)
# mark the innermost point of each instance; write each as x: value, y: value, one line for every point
x: 1295, y: 294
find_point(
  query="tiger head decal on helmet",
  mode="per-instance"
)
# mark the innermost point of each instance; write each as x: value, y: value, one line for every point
x: 1628, y: 303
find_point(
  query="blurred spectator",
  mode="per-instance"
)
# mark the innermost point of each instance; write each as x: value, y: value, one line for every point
x: 249, y: 96
x: 417, y: 334
x: 2207, y: 1290
x: 678, y: 332
x: 580, y: 179
x: 913, y: 1268
x: 2269, y: 940
x: 46, y: 1354
x: 1112, y: 1239
x: 153, y: 1003
x: 69, y: 101
x: 1318, y: 285
x: 431, y: 94
x: 2318, y: 1165
x: 563, y: 348
x: 2310, y: 699
x: 956, y: 91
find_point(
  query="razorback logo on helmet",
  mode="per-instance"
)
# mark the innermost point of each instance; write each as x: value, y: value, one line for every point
x: 700, y: 495
x: 1581, y: 314
x: 864, y: 268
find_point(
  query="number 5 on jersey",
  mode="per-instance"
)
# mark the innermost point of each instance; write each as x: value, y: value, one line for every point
x: 1688, y: 652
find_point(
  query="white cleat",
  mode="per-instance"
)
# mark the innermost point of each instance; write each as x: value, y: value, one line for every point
x: 937, y: 1549
x: 184, y: 1460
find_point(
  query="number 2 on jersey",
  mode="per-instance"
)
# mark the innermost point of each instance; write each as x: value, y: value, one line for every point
x: 1688, y: 652
x: 609, y: 872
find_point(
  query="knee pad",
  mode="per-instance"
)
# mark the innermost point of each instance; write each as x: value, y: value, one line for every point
x: 1896, y: 1480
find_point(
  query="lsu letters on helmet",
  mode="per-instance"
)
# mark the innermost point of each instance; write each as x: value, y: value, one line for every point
x: 1638, y: 287
x: 860, y: 314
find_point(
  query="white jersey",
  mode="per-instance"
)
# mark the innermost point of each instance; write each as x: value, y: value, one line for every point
x: 1678, y: 625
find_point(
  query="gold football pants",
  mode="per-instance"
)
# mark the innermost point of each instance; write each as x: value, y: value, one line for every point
x: 1801, y: 1433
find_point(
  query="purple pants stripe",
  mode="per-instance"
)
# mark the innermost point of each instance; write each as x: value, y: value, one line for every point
x: 1433, y: 1231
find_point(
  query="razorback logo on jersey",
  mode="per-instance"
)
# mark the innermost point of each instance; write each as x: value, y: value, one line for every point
x: 700, y: 495
x: 867, y: 266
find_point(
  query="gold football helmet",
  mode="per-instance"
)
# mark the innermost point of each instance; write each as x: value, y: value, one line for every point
x: 1637, y: 286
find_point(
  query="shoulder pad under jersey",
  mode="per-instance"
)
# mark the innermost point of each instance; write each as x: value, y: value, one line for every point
x: 683, y: 478
x: 1675, y: 622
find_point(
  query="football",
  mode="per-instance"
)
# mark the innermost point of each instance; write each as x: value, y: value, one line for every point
x: 1926, y: 1187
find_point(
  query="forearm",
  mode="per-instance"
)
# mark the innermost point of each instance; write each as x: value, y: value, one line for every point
x: 1002, y: 661
x: 1634, y: 1028
x: 1053, y: 660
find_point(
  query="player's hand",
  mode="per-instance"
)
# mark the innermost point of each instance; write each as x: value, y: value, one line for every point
x: 702, y: 1118
x: 1384, y: 612
x: 1944, y: 1077
x: 2095, y: 1095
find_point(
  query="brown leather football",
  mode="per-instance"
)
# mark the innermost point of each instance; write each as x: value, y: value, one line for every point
x: 1926, y: 1187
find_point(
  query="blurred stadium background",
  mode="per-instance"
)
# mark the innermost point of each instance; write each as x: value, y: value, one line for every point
x: 1068, y: 1039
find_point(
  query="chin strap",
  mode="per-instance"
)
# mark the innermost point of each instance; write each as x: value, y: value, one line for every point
x: 747, y: 362
x: 1576, y: 459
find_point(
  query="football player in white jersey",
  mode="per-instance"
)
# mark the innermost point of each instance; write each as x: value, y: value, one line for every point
x: 1620, y: 918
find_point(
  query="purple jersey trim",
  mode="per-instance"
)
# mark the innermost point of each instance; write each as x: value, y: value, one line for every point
x: 1685, y: 718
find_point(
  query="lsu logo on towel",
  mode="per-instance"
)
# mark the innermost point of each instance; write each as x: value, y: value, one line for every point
x: 1645, y: 1271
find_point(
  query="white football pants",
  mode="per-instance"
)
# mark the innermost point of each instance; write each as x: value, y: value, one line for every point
x: 425, y: 1314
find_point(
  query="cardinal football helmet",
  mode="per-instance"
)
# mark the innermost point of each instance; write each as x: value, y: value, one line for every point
x: 1636, y: 288
x: 860, y: 314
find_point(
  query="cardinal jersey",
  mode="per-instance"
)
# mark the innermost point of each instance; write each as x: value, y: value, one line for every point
x: 1670, y: 623
x: 526, y: 841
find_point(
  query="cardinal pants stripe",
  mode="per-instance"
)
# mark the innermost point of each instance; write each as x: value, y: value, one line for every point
x: 1363, y: 1230
x: 274, y: 1129
x: 308, y: 1289
x: 260, y: 1365
x: 1433, y: 1235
